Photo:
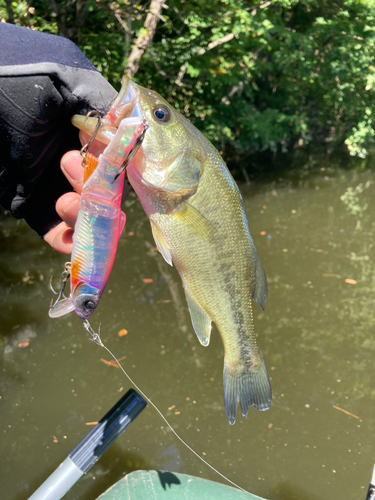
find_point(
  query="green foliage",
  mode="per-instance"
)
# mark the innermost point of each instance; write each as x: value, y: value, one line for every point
x: 252, y: 76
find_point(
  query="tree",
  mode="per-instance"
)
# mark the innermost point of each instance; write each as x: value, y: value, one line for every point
x: 253, y: 76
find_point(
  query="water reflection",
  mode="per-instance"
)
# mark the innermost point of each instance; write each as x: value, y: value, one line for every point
x: 315, y: 236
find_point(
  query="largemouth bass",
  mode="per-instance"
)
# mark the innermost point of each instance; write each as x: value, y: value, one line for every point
x: 199, y: 225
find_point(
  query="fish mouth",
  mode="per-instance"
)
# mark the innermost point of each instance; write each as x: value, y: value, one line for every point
x: 126, y: 105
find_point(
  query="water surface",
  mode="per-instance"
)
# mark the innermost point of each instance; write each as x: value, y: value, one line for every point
x: 316, y: 334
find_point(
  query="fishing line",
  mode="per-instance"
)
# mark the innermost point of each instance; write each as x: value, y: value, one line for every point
x: 95, y: 337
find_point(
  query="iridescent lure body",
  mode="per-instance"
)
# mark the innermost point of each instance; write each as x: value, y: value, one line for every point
x: 100, y: 221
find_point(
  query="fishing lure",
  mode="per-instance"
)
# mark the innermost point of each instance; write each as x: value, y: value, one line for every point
x: 100, y: 220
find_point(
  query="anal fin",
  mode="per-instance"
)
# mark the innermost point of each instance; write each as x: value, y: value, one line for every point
x: 201, y: 322
x: 161, y: 243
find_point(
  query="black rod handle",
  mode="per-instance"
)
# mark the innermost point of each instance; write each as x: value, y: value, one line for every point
x: 371, y: 488
x: 92, y: 446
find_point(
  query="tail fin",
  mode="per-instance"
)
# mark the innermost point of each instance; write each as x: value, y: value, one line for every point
x: 249, y: 388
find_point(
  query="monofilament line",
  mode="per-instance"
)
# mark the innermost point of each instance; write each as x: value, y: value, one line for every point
x: 98, y: 341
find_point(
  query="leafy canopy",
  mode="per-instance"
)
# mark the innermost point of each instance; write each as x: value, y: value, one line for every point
x: 252, y: 76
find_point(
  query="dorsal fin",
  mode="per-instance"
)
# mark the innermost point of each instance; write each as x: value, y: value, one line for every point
x: 201, y: 322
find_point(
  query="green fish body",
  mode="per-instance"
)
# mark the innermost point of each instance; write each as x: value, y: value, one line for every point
x: 199, y: 225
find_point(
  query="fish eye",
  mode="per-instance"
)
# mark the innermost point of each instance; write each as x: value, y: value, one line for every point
x: 162, y: 114
x: 89, y: 304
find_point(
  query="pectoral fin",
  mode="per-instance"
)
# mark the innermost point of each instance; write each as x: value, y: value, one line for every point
x: 261, y: 289
x: 201, y: 322
x: 161, y: 243
x: 195, y: 220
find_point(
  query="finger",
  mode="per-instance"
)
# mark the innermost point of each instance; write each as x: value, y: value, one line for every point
x: 71, y: 166
x: 60, y: 238
x: 67, y: 207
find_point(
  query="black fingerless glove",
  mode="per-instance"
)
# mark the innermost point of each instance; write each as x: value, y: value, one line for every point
x: 44, y: 80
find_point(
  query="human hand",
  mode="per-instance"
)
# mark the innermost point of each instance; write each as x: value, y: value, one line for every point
x: 67, y: 207
x: 60, y: 238
x: 44, y: 81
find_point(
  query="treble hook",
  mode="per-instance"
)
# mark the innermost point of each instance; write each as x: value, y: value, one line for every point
x: 85, y: 148
x: 64, y: 278
x: 95, y: 337
x: 133, y: 152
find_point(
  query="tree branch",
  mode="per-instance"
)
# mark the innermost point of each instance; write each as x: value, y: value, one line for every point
x: 10, y: 11
x: 145, y: 36
x: 201, y: 51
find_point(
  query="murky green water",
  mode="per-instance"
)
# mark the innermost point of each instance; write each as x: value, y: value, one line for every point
x: 317, y: 336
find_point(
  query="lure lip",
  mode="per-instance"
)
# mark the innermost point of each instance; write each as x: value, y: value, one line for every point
x: 64, y: 306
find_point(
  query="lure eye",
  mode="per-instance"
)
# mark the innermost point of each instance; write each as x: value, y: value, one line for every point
x: 162, y: 114
x: 89, y: 304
